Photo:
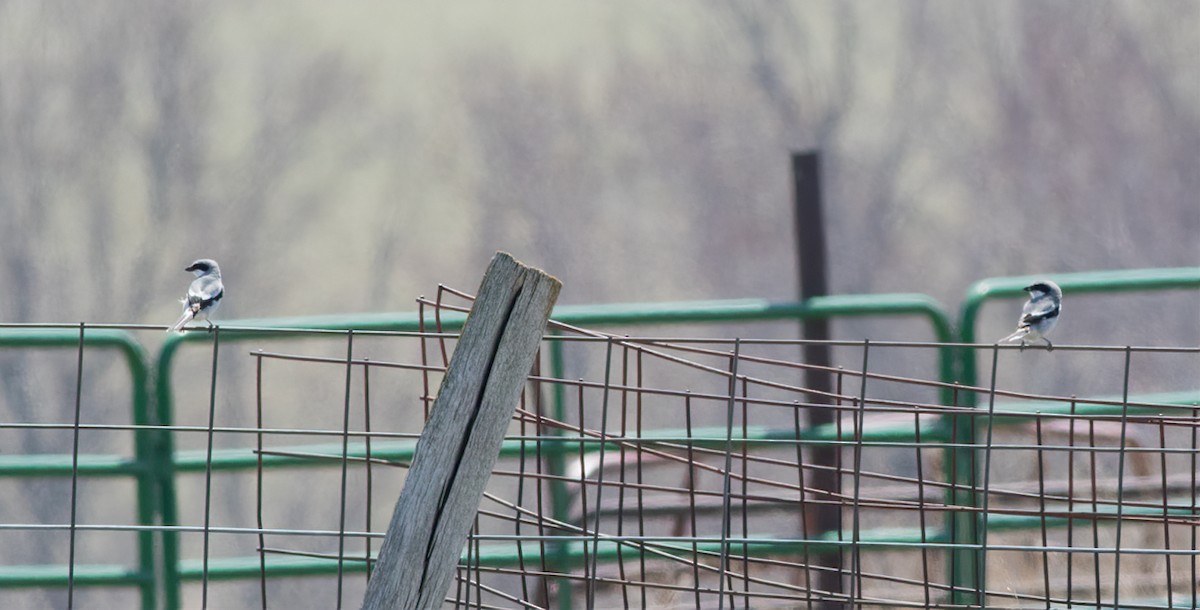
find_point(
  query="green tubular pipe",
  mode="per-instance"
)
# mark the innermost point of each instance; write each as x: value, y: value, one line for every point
x: 964, y: 565
x: 402, y: 450
x: 308, y: 456
x: 156, y: 464
x: 103, y: 575
x: 652, y: 313
x: 560, y: 497
x: 1072, y: 283
x: 165, y: 471
x: 759, y: 309
x: 510, y: 555
x: 735, y: 310
x: 96, y: 465
x: 748, y: 310
x: 625, y: 314
x: 59, y: 465
x: 241, y: 331
x: 1165, y: 403
x: 304, y: 456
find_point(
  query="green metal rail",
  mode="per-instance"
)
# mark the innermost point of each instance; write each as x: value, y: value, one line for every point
x: 140, y: 466
x: 748, y: 310
x: 741, y: 310
x: 242, y: 331
x: 155, y: 464
x: 966, y: 565
x: 572, y: 552
x: 1179, y: 278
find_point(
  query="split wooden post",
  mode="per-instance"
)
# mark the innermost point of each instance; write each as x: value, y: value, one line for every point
x: 461, y: 441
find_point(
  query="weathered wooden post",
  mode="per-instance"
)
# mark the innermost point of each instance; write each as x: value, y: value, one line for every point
x: 458, y: 448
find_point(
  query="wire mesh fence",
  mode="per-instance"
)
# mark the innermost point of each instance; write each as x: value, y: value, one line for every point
x: 650, y: 471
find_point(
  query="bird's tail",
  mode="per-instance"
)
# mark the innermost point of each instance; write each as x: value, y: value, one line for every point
x: 187, y: 317
x: 1016, y: 336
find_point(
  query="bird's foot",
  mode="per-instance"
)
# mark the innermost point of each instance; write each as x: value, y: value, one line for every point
x: 1022, y: 345
x: 1049, y: 346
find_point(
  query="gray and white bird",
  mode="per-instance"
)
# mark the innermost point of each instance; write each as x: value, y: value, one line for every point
x: 1039, y: 315
x: 203, y: 295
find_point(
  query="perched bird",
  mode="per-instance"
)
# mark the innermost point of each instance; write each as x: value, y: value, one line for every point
x: 1039, y: 315
x: 204, y: 295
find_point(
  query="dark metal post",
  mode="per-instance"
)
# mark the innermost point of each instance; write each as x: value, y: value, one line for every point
x: 823, y: 515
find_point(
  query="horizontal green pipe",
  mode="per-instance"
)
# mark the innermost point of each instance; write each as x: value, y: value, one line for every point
x: 1127, y: 280
x: 1170, y: 402
x: 141, y: 466
x: 1072, y: 283
x: 620, y: 313
x: 507, y: 555
x: 714, y: 437
x: 234, y: 568
x: 510, y: 554
x: 1025, y: 522
x: 57, y: 576
x: 758, y: 309
x: 32, y: 336
x: 60, y: 464
x: 744, y: 309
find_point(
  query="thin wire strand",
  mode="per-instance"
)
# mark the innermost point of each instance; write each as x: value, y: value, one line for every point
x: 345, y: 464
x: 75, y: 468
x: 727, y: 489
x: 258, y: 472
x: 212, y: 415
x: 856, y: 589
x: 1120, y: 481
x: 370, y: 461
x: 591, y: 592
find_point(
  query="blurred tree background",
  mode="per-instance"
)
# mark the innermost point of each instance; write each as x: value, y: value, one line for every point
x: 346, y: 157
x: 339, y: 158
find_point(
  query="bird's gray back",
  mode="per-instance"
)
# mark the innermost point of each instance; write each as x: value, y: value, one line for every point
x: 204, y: 288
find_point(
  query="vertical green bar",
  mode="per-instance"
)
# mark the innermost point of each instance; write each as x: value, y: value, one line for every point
x: 560, y: 500
x: 636, y: 313
x: 138, y: 363
x: 961, y: 470
x: 164, y: 472
x: 146, y: 483
x: 965, y: 563
x: 965, y: 579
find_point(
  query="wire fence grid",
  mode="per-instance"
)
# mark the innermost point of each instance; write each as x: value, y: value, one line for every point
x: 677, y: 472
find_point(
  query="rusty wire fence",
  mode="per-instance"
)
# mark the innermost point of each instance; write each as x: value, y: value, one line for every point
x: 667, y: 472
x: 1066, y: 502
x: 675, y: 472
